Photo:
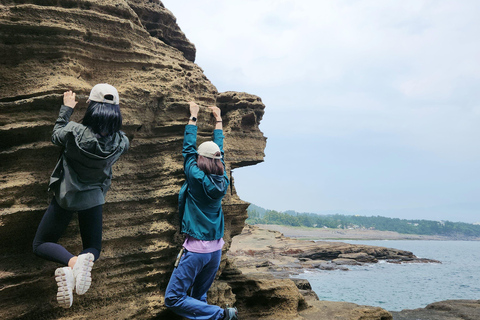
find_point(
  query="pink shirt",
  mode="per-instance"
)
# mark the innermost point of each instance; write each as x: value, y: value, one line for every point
x: 202, y: 246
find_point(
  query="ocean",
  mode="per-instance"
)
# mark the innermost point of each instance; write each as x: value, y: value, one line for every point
x: 396, y: 287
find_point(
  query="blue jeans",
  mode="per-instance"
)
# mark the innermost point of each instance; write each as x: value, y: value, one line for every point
x: 195, y: 270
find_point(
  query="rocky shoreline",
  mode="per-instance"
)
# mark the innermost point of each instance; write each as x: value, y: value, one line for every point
x: 260, y: 253
x: 263, y: 250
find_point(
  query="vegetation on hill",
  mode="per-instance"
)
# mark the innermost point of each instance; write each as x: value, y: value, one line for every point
x: 257, y: 215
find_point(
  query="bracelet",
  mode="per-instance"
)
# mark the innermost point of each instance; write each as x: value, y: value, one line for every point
x: 219, y: 121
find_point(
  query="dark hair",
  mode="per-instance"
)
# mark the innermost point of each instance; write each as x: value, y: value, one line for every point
x: 103, y: 118
x: 209, y: 165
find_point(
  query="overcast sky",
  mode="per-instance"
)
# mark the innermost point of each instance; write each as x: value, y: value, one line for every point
x: 372, y: 106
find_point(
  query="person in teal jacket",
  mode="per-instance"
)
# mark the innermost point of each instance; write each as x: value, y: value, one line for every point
x: 80, y: 181
x: 201, y: 217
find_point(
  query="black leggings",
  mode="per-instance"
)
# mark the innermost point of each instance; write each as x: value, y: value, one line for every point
x: 53, y: 225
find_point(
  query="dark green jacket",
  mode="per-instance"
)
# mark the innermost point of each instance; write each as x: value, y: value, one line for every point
x: 200, y: 198
x: 83, y: 173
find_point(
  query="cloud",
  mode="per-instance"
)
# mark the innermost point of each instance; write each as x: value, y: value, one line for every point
x: 332, y: 36
x: 388, y: 89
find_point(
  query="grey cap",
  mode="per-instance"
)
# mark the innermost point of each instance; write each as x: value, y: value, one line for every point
x: 105, y: 93
x: 208, y: 149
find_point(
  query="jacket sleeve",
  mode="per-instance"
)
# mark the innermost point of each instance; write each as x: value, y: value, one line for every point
x: 127, y: 143
x: 59, y: 135
x: 189, y: 150
x: 218, y: 139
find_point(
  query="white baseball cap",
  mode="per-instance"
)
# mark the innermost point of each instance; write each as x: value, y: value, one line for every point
x: 208, y: 149
x: 105, y: 93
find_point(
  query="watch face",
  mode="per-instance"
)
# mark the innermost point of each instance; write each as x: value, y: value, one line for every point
x: 194, y: 119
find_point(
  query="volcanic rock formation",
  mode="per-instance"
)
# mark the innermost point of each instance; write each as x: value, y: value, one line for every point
x: 50, y: 46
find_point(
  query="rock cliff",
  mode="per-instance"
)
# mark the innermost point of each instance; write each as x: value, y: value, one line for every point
x: 50, y: 46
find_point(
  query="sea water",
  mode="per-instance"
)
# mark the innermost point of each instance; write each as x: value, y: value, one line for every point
x: 396, y: 287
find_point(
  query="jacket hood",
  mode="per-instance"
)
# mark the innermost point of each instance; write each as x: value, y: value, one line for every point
x: 217, y: 187
x: 96, y: 150
x: 98, y: 146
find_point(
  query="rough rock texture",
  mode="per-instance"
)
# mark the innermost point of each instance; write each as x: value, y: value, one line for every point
x: 50, y: 46
x: 161, y: 23
x: 444, y: 310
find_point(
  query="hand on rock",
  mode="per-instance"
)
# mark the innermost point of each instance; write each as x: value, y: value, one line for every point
x: 69, y: 99
x: 194, y: 108
x: 217, y: 113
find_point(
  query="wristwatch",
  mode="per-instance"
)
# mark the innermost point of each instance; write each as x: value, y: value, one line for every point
x: 193, y: 119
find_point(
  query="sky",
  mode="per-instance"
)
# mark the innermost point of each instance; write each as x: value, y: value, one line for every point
x: 372, y: 106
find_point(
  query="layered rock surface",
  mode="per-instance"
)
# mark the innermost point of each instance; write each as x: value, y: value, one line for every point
x: 48, y: 47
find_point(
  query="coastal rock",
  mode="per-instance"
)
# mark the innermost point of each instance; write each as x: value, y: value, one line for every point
x: 266, y: 297
x: 258, y: 249
x: 343, y: 261
x: 444, y: 310
x: 358, y: 256
x: 48, y: 47
x: 305, y: 288
x: 343, y: 311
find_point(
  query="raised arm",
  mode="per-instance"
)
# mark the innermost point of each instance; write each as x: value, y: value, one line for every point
x: 218, y: 132
x: 69, y: 103
x: 193, y: 113
x: 189, y: 150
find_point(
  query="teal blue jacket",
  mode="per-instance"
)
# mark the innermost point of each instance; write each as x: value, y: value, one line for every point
x: 200, y: 198
x: 83, y: 173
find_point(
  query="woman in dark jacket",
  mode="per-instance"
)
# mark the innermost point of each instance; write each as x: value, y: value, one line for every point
x: 200, y: 208
x: 80, y: 182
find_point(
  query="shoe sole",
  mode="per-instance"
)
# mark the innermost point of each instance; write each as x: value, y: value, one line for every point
x: 64, y: 293
x: 84, y: 278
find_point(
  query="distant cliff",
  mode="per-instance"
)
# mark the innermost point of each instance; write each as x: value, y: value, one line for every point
x: 48, y: 47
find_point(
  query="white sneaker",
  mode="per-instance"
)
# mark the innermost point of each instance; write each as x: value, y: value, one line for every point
x: 66, y: 283
x: 82, y: 272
